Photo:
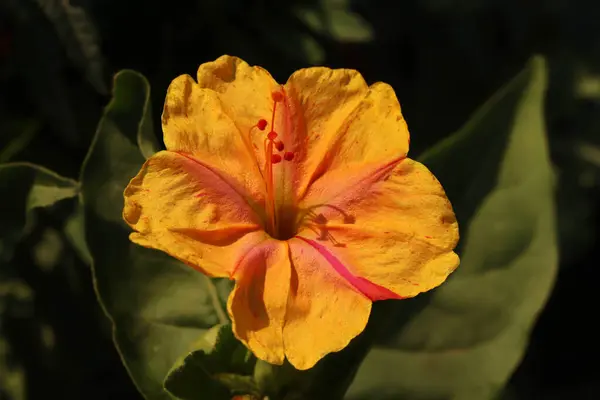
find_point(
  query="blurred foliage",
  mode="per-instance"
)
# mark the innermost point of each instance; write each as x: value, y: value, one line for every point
x: 443, y: 57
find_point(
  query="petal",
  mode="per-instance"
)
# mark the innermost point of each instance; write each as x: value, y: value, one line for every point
x: 339, y: 123
x: 180, y: 206
x: 394, y: 228
x: 245, y: 93
x: 214, y: 118
x: 257, y: 304
x: 324, y: 312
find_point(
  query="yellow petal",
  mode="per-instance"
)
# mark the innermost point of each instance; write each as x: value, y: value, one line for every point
x: 178, y: 205
x: 257, y: 304
x: 245, y: 93
x: 340, y: 124
x: 394, y: 228
x: 324, y: 312
x: 213, y: 120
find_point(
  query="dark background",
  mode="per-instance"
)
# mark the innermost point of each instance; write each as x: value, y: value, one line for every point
x: 443, y: 58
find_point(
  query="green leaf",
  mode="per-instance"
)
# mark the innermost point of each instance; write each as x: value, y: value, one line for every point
x: 66, y: 105
x: 79, y: 38
x: 464, y: 339
x: 142, y: 130
x: 22, y: 132
x: 146, y: 138
x: 24, y: 187
x: 157, y: 305
x: 217, y: 366
x: 334, y: 19
x: 74, y: 230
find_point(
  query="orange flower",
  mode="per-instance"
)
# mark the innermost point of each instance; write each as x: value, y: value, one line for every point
x: 300, y: 192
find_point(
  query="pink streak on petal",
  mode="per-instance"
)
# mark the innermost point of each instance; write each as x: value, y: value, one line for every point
x: 368, y: 288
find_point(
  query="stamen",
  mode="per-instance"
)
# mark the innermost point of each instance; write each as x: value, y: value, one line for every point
x: 262, y: 124
x: 270, y: 160
x: 269, y: 182
x: 277, y: 96
x: 288, y: 156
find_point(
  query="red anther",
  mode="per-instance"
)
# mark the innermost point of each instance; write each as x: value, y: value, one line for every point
x: 288, y: 156
x: 279, y: 145
x: 262, y: 124
x: 277, y: 96
x: 275, y: 158
x: 272, y: 135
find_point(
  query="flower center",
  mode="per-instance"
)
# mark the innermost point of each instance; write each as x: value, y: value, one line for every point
x: 274, y: 153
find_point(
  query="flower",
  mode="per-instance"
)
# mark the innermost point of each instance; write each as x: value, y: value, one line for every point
x: 302, y: 193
